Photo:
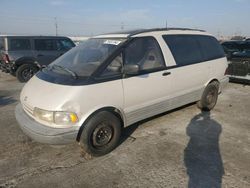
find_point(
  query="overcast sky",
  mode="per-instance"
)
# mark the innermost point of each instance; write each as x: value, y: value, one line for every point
x: 90, y: 17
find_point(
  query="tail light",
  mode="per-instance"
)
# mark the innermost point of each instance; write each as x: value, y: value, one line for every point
x: 6, y: 58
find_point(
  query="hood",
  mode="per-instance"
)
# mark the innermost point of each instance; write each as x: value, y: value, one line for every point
x: 49, y: 96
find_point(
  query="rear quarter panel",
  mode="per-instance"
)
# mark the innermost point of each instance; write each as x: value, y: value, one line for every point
x: 217, y: 69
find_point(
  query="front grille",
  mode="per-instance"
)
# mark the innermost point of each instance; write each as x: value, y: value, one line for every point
x: 28, y: 109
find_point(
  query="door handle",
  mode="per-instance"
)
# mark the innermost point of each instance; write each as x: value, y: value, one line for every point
x: 166, y: 73
x: 39, y: 55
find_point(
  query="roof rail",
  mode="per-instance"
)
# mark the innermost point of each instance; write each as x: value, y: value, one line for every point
x: 162, y: 29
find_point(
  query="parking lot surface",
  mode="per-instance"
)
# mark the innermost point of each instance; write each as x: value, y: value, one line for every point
x: 181, y: 148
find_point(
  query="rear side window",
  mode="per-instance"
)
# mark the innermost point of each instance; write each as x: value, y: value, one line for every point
x: 20, y: 44
x: 185, y: 49
x: 45, y: 44
x: 191, y: 49
x: 64, y: 44
x: 210, y: 47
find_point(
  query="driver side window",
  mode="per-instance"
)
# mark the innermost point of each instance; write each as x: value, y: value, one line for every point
x: 146, y: 53
x: 114, y: 68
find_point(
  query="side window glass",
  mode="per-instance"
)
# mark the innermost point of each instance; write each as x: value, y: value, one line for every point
x: 114, y: 68
x: 44, y: 44
x: 191, y: 49
x: 64, y: 44
x: 20, y: 44
x: 185, y: 49
x: 210, y: 47
x: 146, y: 53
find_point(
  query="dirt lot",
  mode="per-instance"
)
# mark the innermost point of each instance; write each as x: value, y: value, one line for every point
x: 177, y: 149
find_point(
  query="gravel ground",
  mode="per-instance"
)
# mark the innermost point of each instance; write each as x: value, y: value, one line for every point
x: 182, y: 148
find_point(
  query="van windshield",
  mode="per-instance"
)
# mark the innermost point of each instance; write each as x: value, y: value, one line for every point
x: 84, y: 59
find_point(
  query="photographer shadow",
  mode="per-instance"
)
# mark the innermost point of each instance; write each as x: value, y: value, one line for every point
x: 202, y: 156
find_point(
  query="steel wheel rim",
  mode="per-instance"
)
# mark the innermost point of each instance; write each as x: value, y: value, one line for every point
x: 102, y: 135
x: 211, y: 97
x: 27, y: 73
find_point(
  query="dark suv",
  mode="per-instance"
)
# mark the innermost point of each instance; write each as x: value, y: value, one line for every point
x: 23, y: 56
x: 238, y: 54
x: 237, y: 49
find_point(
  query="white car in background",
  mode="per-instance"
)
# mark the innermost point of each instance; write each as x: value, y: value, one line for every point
x: 112, y: 81
x: 78, y: 40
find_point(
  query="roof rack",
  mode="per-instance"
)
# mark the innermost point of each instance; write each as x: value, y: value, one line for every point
x: 162, y: 29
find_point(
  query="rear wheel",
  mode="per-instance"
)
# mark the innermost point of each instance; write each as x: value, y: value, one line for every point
x: 209, y: 97
x: 25, y: 72
x: 101, y: 134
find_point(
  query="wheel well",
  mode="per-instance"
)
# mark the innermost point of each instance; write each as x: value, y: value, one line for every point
x: 23, y: 61
x: 113, y: 110
x: 214, y: 80
x: 217, y: 82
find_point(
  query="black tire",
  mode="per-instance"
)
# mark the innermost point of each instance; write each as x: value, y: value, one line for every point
x: 101, y: 134
x: 209, y: 97
x: 25, y: 72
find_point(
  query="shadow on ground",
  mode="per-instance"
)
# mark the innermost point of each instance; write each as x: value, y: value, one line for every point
x: 6, y: 100
x: 202, y: 156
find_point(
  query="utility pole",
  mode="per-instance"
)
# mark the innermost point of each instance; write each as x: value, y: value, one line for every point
x: 56, y: 25
x: 166, y: 23
x: 122, y: 26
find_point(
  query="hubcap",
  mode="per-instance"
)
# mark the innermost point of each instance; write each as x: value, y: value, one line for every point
x: 102, y: 135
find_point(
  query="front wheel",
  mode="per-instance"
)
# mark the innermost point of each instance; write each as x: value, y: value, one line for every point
x: 209, y: 97
x: 25, y: 72
x: 101, y: 134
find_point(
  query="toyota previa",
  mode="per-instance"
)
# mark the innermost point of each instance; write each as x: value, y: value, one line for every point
x: 92, y: 92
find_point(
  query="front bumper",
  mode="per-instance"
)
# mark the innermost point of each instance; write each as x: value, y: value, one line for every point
x: 42, y: 133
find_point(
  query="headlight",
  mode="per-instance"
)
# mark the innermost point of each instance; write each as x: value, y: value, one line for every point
x: 60, y: 118
x: 65, y: 118
x: 44, y: 115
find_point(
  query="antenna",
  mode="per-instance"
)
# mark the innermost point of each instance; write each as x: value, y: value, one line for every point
x: 56, y: 25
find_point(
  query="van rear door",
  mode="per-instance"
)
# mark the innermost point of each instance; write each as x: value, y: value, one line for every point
x: 190, y: 72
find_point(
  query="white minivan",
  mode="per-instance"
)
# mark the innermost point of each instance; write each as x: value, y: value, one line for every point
x: 111, y: 81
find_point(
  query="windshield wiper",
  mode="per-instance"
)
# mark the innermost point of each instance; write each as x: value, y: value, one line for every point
x: 73, y: 74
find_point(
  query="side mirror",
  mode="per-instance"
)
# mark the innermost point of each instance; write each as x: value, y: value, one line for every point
x: 131, y: 69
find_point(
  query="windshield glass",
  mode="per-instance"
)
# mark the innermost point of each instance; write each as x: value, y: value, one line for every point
x: 84, y: 59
